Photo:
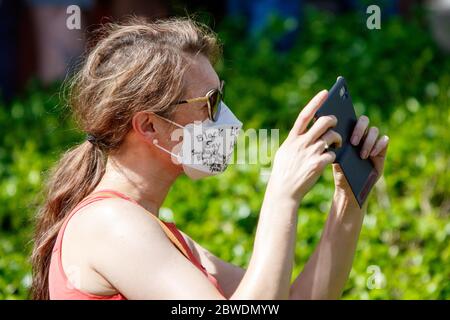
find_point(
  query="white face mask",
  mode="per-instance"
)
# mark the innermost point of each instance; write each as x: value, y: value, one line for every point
x: 207, y: 146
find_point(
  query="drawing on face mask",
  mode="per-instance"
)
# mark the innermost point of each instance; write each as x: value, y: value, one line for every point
x: 213, y: 147
x: 207, y: 146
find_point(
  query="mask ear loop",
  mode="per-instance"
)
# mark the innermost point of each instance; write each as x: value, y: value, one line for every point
x: 176, y: 156
x: 156, y: 143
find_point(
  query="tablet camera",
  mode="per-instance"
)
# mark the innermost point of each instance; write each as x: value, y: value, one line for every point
x: 343, y: 92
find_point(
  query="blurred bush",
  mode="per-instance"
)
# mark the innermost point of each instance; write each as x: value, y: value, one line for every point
x: 396, y: 75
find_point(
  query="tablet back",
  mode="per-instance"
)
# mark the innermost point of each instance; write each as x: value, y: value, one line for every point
x: 360, y: 173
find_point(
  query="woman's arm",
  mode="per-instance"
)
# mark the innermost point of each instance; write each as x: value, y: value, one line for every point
x: 272, y: 253
x: 323, y: 276
x: 297, y: 165
x: 325, y: 273
x: 269, y: 271
x: 227, y: 274
x: 327, y: 270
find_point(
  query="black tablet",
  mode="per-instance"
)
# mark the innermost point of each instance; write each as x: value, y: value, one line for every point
x: 360, y: 173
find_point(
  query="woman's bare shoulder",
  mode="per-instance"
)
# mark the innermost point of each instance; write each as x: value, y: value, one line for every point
x: 110, y: 224
x: 115, y: 217
x: 103, y: 227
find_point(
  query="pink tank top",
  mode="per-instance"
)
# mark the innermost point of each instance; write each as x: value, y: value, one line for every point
x: 60, y: 288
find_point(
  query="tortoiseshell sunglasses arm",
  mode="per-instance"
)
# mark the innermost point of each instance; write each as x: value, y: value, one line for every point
x: 199, y: 99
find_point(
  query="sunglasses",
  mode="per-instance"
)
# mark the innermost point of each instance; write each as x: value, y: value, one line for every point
x: 212, y: 98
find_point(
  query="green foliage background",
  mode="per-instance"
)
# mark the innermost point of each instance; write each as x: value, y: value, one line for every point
x: 396, y: 76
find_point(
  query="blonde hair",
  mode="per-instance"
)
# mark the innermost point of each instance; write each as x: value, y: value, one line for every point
x: 134, y: 66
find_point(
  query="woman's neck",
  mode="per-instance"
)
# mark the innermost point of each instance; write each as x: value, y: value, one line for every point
x: 148, y: 183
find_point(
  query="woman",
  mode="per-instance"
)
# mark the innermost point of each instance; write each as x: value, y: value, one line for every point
x: 98, y: 234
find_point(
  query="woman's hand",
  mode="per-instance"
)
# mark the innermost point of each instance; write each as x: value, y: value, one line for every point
x: 301, y: 159
x: 373, y: 147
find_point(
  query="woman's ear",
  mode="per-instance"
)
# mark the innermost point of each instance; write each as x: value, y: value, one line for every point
x: 144, y: 125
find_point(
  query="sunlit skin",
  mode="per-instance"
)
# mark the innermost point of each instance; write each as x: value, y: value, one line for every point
x: 115, y: 246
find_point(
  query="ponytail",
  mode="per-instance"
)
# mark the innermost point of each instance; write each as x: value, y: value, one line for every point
x: 75, y: 176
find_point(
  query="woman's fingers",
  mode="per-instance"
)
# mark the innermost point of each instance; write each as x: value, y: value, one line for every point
x: 369, y: 142
x: 360, y: 129
x: 332, y: 137
x: 307, y: 114
x: 329, y: 138
x: 378, y: 154
x: 320, y: 127
x: 380, y: 147
x: 327, y: 157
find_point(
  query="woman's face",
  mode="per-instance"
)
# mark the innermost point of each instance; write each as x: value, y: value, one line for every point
x: 200, y: 78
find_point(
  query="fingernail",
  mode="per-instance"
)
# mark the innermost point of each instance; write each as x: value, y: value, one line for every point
x: 355, y: 140
x: 364, y: 154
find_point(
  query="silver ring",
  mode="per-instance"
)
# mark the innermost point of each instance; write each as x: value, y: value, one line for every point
x: 326, y: 144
